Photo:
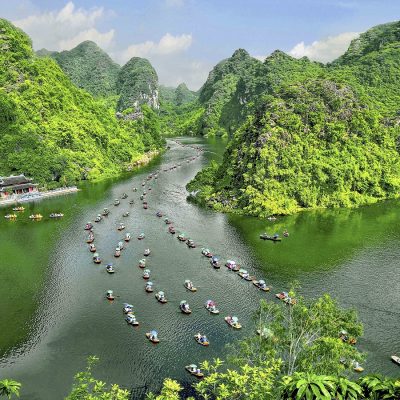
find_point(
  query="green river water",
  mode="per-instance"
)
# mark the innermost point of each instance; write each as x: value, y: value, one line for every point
x: 53, y: 313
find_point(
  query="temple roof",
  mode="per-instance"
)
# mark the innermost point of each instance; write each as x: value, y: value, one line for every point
x: 13, y: 180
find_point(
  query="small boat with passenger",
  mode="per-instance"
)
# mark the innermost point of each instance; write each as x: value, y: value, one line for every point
x: 131, y: 320
x: 206, y: 252
x: 117, y: 202
x: 190, y: 243
x: 171, y: 230
x: 182, y: 237
x: 274, y: 238
x: 117, y: 252
x: 145, y: 205
x: 124, y: 196
x: 105, y: 212
x: 141, y: 236
x: 194, y: 370
x: 127, y: 308
x: 88, y: 226
x: 19, y: 208
x: 146, y: 252
x: 127, y: 237
x: 146, y: 274
x: 98, y: 218
x: 184, y: 307
x: 232, y: 266
x: 96, y: 258
x: 159, y: 214
x: 131, y: 202
x: 153, y: 336
x: 92, y: 248
x: 121, y: 226
x: 110, y: 269
x: 201, y: 339
x: 160, y: 296
x: 243, y: 273
x: 142, y: 263
x: 284, y: 296
x: 261, y: 285
x: 110, y: 295
x: 233, y: 322
x: 211, y: 306
x: 189, y: 285
x: 90, y: 238
x: 125, y: 214
x: 215, y: 262
x: 149, y: 287
x: 167, y: 221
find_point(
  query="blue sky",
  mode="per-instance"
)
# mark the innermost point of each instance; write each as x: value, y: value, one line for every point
x: 184, y: 39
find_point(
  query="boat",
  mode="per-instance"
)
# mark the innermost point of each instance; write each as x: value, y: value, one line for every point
x: 127, y: 237
x: 11, y: 216
x: 233, y: 322
x: 121, y: 245
x: 261, y: 285
x: 167, y: 221
x: 121, y: 227
x: 110, y: 269
x: 142, y: 263
x: 131, y: 202
x: 98, y: 218
x: 172, y: 230
x: 105, y: 212
x: 193, y: 370
x: 184, y: 307
x: 96, y: 258
x: 141, y: 236
x: 153, y: 336
x: 159, y: 214
x: 271, y: 218
x: 20, y: 208
x: 189, y: 285
x: 117, y: 252
x: 211, y: 307
x: 245, y: 275
x: 182, y: 237
x: 92, y: 248
x: 285, y: 233
x: 145, y: 206
x: 160, y: 296
x: 143, y: 183
x: 146, y: 252
x: 201, y: 339
x: 206, y: 252
x: 190, y: 243
x: 146, y: 274
x: 125, y: 214
x: 134, y: 189
x: 149, y: 287
x: 110, y: 295
x: 56, y: 215
x: 357, y: 367
x: 395, y: 359
x: 117, y: 202
x: 274, y: 238
x: 344, y: 336
x: 124, y: 196
x: 88, y: 226
x: 127, y: 308
x: 141, y: 197
x: 284, y: 296
x: 214, y: 262
x: 90, y: 238
x: 131, y: 320
x: 37, y: 216
x: 232, y: 266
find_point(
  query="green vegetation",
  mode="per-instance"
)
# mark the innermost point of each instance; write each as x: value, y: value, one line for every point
x: 55, y: 132
x: 137, y: 84
x: 89, y: 68
x: 9, y: 388
x: 177, y: 96
x: 312, y: 136
x: 297, y: 355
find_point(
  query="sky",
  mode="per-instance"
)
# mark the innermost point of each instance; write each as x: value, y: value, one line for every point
x: 184, y: 39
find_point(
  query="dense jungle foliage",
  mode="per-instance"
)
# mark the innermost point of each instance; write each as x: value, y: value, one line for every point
x: 312, y: 135
x: 89, y: 68
x: 53, y: 131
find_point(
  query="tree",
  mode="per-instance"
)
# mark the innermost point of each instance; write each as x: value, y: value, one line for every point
x: 248, y: 382
x: 9, y: 388
x: 346, y: 389
x: 170, y: 391
x: 304, y: 386
x: 305, y: 336
x: 376, y: 387
x: 86, y: 387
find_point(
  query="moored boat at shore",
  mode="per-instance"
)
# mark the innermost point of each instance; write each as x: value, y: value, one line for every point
x: 395, y: 359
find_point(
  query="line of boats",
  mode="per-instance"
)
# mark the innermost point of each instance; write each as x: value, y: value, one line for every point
x: 32, y: 216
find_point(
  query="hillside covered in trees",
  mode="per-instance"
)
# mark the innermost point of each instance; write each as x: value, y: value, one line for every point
x: 53, y: 131
x: 308, y: 135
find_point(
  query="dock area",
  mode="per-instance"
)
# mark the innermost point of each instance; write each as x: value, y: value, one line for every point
x: 39, y: 195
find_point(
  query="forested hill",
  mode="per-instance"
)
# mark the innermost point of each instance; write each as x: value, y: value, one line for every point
x: 309, y: 135
x: 53, y: 131
x: 90, y: 68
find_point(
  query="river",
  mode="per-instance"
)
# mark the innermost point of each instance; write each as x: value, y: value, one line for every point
x: 54, y: 314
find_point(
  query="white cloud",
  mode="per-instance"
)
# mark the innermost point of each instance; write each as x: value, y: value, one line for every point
x: 324, y: 50
x: 168, y: 44
x: 261, y: 58
x: 64, y: 29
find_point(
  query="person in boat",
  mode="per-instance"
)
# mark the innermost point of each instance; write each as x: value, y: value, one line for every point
x: 189, y: 284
